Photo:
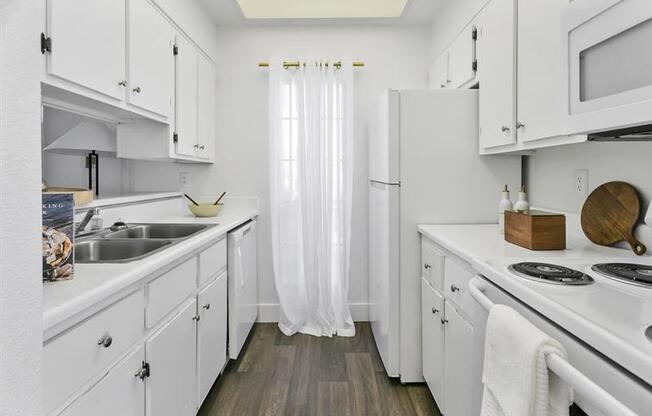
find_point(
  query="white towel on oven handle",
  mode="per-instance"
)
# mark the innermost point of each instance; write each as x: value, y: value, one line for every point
x: 517, y: 381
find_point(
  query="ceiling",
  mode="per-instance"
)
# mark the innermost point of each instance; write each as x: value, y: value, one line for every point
x: 228, y: 13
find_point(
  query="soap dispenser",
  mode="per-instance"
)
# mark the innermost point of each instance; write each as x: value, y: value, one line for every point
x: 522, y: 205
x: 504, y: 205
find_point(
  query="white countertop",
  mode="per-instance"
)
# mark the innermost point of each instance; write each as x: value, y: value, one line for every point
x: 610, y: 316
x: 474, y: 242
x: 94, y: 283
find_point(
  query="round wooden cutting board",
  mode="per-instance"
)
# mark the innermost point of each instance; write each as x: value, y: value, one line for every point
x: 610, y: 214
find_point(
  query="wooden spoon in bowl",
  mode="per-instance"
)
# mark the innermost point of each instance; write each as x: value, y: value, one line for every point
x: 220, y: 198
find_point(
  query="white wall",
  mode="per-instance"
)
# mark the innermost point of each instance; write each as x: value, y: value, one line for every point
x: 20, y: 208
x: 395, y: 57
x: 551, y: 171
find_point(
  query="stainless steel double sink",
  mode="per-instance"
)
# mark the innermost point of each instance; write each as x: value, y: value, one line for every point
x: 135, y: 242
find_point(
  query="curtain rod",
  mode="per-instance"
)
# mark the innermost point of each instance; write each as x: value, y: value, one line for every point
x: 296, y: 64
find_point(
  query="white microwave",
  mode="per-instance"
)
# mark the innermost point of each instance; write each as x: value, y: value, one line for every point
x: 608, y: 48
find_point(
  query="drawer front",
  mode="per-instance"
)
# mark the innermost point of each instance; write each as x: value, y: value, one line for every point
x: 432, y: 264
x: 211, y: 261
x: 456, y: 279
x: 73, y: 358
x: 168, y: 291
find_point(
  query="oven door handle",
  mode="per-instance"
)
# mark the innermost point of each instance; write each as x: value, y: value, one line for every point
x: 564, y: 370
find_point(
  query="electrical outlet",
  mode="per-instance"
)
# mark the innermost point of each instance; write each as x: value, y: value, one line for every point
x: 184, y: 180
x: 581, y: 183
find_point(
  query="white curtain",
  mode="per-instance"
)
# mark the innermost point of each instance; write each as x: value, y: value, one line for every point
x: 311, y: 145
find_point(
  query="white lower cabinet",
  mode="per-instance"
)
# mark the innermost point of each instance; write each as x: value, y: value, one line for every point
x: 119, y: 392
x: 113, y: 364
x: 452, y: 354
x: 211, y: 334
x: 171, y: 354
x: 459, y: 365
x: 432, y: 312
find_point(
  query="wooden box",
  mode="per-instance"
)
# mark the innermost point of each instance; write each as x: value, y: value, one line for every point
x: 536, y: 230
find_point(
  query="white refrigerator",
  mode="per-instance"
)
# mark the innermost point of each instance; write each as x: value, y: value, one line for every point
x: 424, y: 168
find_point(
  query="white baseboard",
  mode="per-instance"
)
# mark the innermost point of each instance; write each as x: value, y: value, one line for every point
x: 268, y: 312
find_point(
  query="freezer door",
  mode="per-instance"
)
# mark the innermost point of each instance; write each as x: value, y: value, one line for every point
x: 384, y: 140
x: 384, y: 272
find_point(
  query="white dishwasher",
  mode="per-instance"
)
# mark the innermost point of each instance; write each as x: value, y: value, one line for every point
x: 243, y: 285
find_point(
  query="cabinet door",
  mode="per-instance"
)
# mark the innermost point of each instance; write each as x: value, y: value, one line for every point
x: 119, y: 383
x: 496, y: 65
x: 461, y: 57
x: 172, y: 355
x: 211, y: 334
x: 206, y: 112
x: 541, y: 83
x: 151, y: 59
x: 88, y: 44
x: 432, y: 338
x: 186, y: 97
x: 459, y: 366
x: 439, y: 72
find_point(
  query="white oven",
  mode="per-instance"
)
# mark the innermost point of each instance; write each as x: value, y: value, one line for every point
x: 609, y: 62
x: 601, y: 387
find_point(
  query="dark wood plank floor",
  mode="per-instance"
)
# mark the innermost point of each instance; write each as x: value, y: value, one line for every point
x: 304, y: 375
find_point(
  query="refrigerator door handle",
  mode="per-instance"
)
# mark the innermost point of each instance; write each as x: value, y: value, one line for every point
x: 385, y: 183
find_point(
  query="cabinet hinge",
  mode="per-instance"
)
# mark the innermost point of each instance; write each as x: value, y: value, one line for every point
x: 474, y: 65
x: 474, y: 33
x: 46, y: 44
x: 175, y: 138
x: 175, y: 50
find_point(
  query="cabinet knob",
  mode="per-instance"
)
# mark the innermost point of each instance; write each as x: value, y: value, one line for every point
x: 196, y: 146
x: 504, y: 129
x: 434, y: 310
x: 137, y: 90
x: 202, y: 147
x: 520, y: 125
x: 207, y: 306
x: 123, y: 83
x: 454, y: 288
x: 442, y: 85
x: 196, y: 318
x: 426, y: 266
x: 105, y: 341
x: 443, y: 321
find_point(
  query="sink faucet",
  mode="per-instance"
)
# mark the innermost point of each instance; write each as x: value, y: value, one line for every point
x: 87, y: 218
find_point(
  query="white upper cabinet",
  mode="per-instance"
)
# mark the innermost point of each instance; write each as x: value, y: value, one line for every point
x: 151, y: 59
x: 461, y: 58
x: 497, y: 67
x: 541, y: 76
x: 439, y: 72
x: 88, y: 44
x: 206, y: 110
x: 187, y: 61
